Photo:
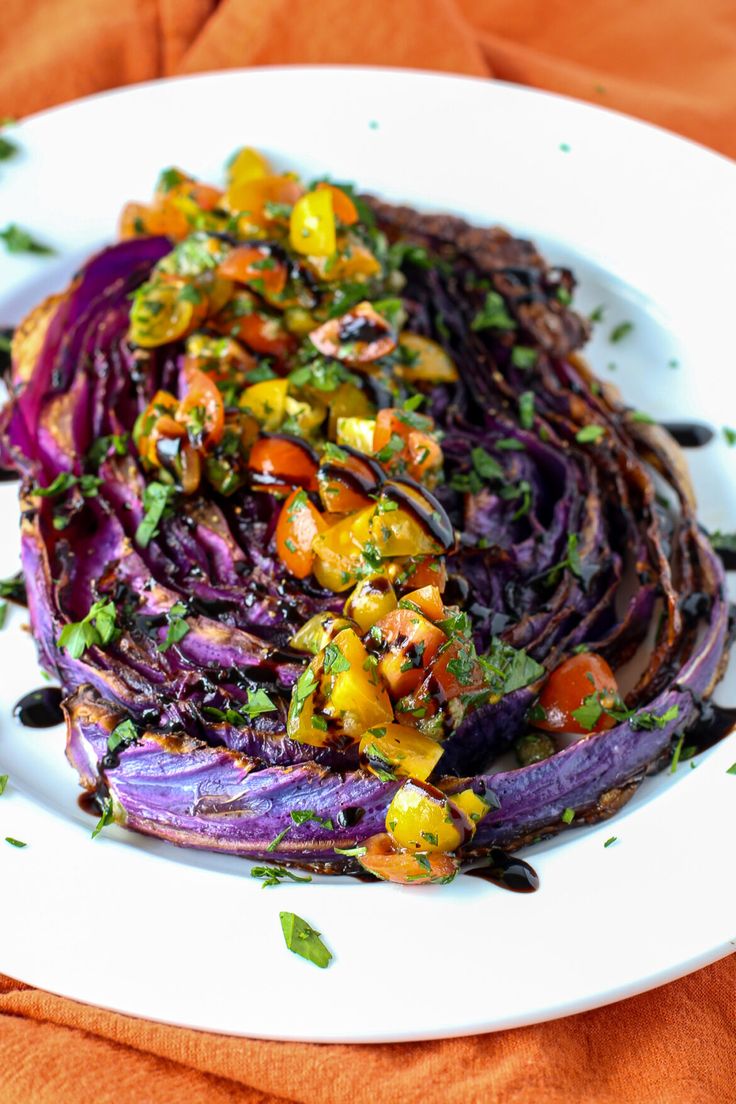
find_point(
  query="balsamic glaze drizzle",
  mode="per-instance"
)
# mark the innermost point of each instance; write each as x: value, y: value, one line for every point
x: 41, y: 708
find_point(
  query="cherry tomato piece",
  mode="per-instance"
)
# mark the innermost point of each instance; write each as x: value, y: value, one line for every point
x: 427, y: 600
x: 359, y: 336
x: 202, y: 410
x: 567, y: 688
x: 456, y: 670
x: 254, y: 265
x: 409, y: 642
x: 388, y: 862
x: 342, y: 204
x: 281, y: 461
x: 299, y: 523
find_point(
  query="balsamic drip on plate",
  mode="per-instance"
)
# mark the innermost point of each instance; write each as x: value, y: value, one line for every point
x: 689, y: 434
x: 715, y: 723
x: 506, y: 871
x: 728, y: 558
x: 7, y: 475
x: 88, y: 803
x: 41, y: 708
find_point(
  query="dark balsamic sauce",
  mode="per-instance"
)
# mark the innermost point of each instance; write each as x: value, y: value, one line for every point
x: 89, y: 803
x: 714, y: 724
x: 424, y: 507
x: 727, y: 557
x: 7, y: 475
x: 689, y: 434
x: 506, y: 871
x: 41, y: 708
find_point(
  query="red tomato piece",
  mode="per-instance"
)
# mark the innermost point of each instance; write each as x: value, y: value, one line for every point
x: 456, y: 671
x: 281, y: 461
x: 568, y: 686
x: 409, y: 642
x: 428, y: 599
x: 261, y: 332
x: 255, y: 265
x: 299, y: 523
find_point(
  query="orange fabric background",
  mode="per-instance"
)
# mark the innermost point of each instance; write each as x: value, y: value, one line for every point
x: 670, y: 61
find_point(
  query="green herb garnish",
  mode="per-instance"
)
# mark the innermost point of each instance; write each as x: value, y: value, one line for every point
x: 304, y: 940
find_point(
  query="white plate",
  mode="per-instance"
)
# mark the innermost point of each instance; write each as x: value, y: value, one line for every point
x: 648, y: 222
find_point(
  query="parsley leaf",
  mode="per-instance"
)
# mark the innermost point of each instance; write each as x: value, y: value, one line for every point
x: 124, y: 733
x: 304, y: 940
x: 105, y: 819
x: 258, y: 702
x: 15, y: 842
x: 275, y: 875
x: 18, y: 240
x: 507, y: 668
x: 177, y: 626
x: 334, y: 661
x: 493, y: 315
x: 156, y: 499
x: 618, y: 333
x: 526, y: 409
x: 96, y: 628
x: 589, y: 434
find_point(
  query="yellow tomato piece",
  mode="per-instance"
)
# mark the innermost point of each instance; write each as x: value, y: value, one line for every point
x: 312, y: 224
x: 247, y: 164
x: 398, y: 533
x: 160, y: 315
x: 266, y: 401
x: 386, y: 861
x: 397, y: 750
x: 306, y: 415
x: 352, y: 689
x: 422, y: 818
x: 337, y: 552
x: 348, y: 401
x: 299, y: 321
x: 429, y: 363
x: 371, y: 599
x: 474, y: 807
x: 318, y: 631
x: 357, y: 432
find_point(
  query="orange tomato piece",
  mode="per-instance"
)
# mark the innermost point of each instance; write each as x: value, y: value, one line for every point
x: 346, y: 485
x: 456, y: 671
x: 392, y: 864
x: 299, y: 523
x: 255, y: 265
x: 280, y: 461
x: 428, y: 571
x: 202, y: 409
x: 359, y: 336
x: 566, y: 689
x: 421, y: 454
x: 342, y: 204
x: 427, y: 599
x: 261, y: 332
x: 409, y: 643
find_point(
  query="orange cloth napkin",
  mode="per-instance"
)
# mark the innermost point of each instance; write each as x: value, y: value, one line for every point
x: 670, y: 61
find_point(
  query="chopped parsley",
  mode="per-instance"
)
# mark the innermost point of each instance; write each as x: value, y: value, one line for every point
x: 96, y: 628
x: 493, y: 314
x: 589, y: 434
x: 568, y: 816
x: 105, y: 819
x: 611, y: 840
x: 526, y: 409
x: 98, y: 452
x: 334, y: 661
x: 18, y: 240
x: 156, y: 500
x: 275, y: 875
x: 730, y: 436
x: 258, y: 703
x: 523, y: 357
x: 619, y: 332
x: 15, y: 842
x: 3, y: 782
x: 122, y: 735
x: 304, y: 940
x: 304, y: 816
x: 305, y: 685
x: 177, y: 626
x: 507, y: 668
x: 64, y: 481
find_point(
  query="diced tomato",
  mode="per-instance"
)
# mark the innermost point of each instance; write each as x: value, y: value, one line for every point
x: 387, y: 861
x: 252, y: 197
x: 427, y: 599
x: 346, y: 485
x: 281, y: 461
x: 428, y: 571
x: 202, y: 409
x: 299, y: 523
x: 358, y: 337
x: 255, y: 265
x: 456, y: 670
x: 409, y: 643
x: 420, y: 457
x: 261, y: 332
x: 342, y: 204
x: 568, y: 686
